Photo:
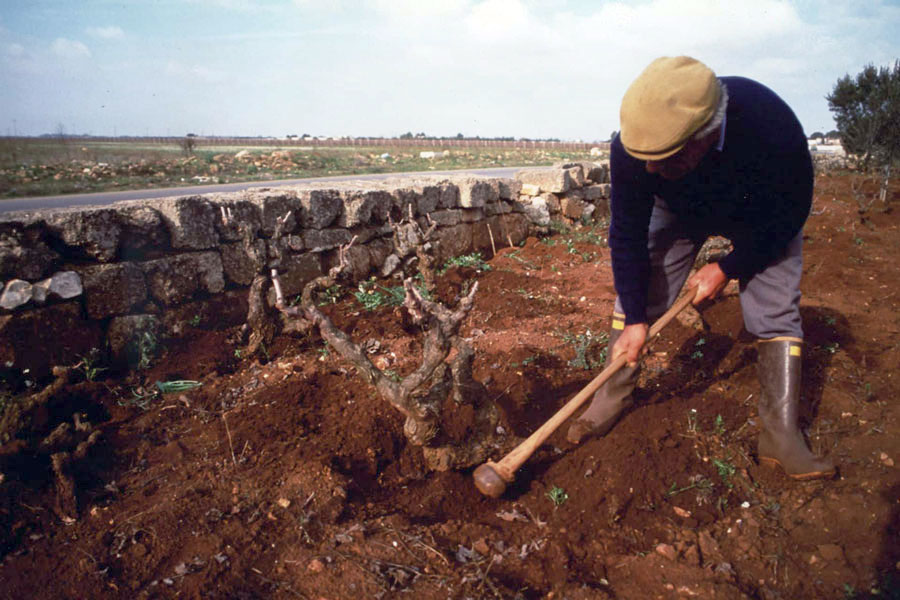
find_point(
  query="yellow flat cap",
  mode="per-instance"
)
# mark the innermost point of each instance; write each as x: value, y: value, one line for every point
x: 667, y: 104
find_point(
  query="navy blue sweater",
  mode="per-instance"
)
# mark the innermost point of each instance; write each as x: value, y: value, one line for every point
x: 756, y: 191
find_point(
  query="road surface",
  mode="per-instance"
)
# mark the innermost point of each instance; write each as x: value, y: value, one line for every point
x: 103, y: 198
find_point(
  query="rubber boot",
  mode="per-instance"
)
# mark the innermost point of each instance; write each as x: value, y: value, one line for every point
x: 780, y: 440
x: 609, y: 402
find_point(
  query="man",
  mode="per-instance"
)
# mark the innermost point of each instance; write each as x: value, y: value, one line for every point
x: 697, y: 156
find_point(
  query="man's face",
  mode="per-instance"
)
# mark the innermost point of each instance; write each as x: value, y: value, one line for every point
x: 684, y: 161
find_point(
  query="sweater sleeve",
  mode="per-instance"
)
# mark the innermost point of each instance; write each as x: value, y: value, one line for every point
x: 780, y: 201
x: 630, y: 206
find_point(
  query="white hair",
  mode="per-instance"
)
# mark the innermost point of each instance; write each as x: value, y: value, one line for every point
x: 716, y: 121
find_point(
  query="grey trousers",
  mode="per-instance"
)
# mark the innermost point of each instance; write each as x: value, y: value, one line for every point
x: 769, y: 300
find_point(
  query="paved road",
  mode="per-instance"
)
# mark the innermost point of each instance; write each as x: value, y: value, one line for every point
x: 103, y: 198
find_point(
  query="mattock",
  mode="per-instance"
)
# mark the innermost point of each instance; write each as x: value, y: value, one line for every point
x: 491, y: 478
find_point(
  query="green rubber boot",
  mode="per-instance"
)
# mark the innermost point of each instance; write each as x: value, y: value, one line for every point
x: 780, y: 440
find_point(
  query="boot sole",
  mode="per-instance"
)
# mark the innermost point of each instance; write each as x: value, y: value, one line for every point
x: 774, y: 462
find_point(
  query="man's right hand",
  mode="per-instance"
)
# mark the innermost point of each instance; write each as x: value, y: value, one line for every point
x: 630, y: 343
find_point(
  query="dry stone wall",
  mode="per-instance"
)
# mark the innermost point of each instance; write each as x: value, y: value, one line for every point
x: 113, y: 274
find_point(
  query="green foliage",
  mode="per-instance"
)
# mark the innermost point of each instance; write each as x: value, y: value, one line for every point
x: 726, y: 471
x: 867, y: 109
x: 582, y: 343
x: 330, y: 295
x: 719, y: 425
x: 474, y: 261
x: 147, y: 347
x: 558, y: 496
x: 373, y: 296
x: 88, y: 365
x: 195, y: 321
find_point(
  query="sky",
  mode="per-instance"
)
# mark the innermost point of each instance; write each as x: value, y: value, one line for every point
x: 490, y: 68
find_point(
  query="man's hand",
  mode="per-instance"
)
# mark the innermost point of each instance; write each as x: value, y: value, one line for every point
x: 709, y: 281
x: 630, y: 343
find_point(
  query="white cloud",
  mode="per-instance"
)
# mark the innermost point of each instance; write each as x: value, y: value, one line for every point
x: 111, y: 32
x: 66, y: 48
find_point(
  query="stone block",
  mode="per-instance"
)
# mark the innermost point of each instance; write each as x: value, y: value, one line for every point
x: 142, y: 227
x: 447, y: 218
x: 530, y: 189
x: 175, y: 280
x: 294, y: 272
x: 16, y: 293
x: 507, y: 189
x: 64, y: 285
x: 273, y: 205
x: 94, y: 232
x: 595, y: 192
x: 598, y: 173
x: 424, y: 199
x: 449, y: 195
x: 191, y: 221
x: 239, y: 218
x: 321, y: 208
x: 537, y: 211
x: 513, y: 228
x: 317, y: 240
x: 132, y: 339
x: 453, y: 241
x: 369, y: 207
x: 554, y: 180
x: 576, y: 175
x: 23, y: 254
x: 603, y: 211
x: 471, y: 215
x: 474, y: 192
x: 359, y: 262
x: 500, y: 208
x: 552, y: 201
x: 241, y: 266
x: 41, y: 338
x: 571, y: 206
x: 113, y: 289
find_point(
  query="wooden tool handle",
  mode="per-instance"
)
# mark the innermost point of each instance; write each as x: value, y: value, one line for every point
x: 510, y: 463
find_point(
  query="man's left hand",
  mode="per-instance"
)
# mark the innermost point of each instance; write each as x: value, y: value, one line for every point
x: 709, y: 281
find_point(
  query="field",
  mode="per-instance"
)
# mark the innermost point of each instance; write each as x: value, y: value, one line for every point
x: 289, y: 477
x: 46, y: 166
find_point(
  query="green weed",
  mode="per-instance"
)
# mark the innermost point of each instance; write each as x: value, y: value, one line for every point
x: 719, y: 425
x: 558, y: 496
x: 330, y: 295
x: 700, y: 484
x: 474, y: 261
x: 726, y: 471
x: 582, y: 344
x: 88, y: 365
x: 147, y: 347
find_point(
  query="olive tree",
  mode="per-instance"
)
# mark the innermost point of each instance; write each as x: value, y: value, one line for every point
x: 867, y: 113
